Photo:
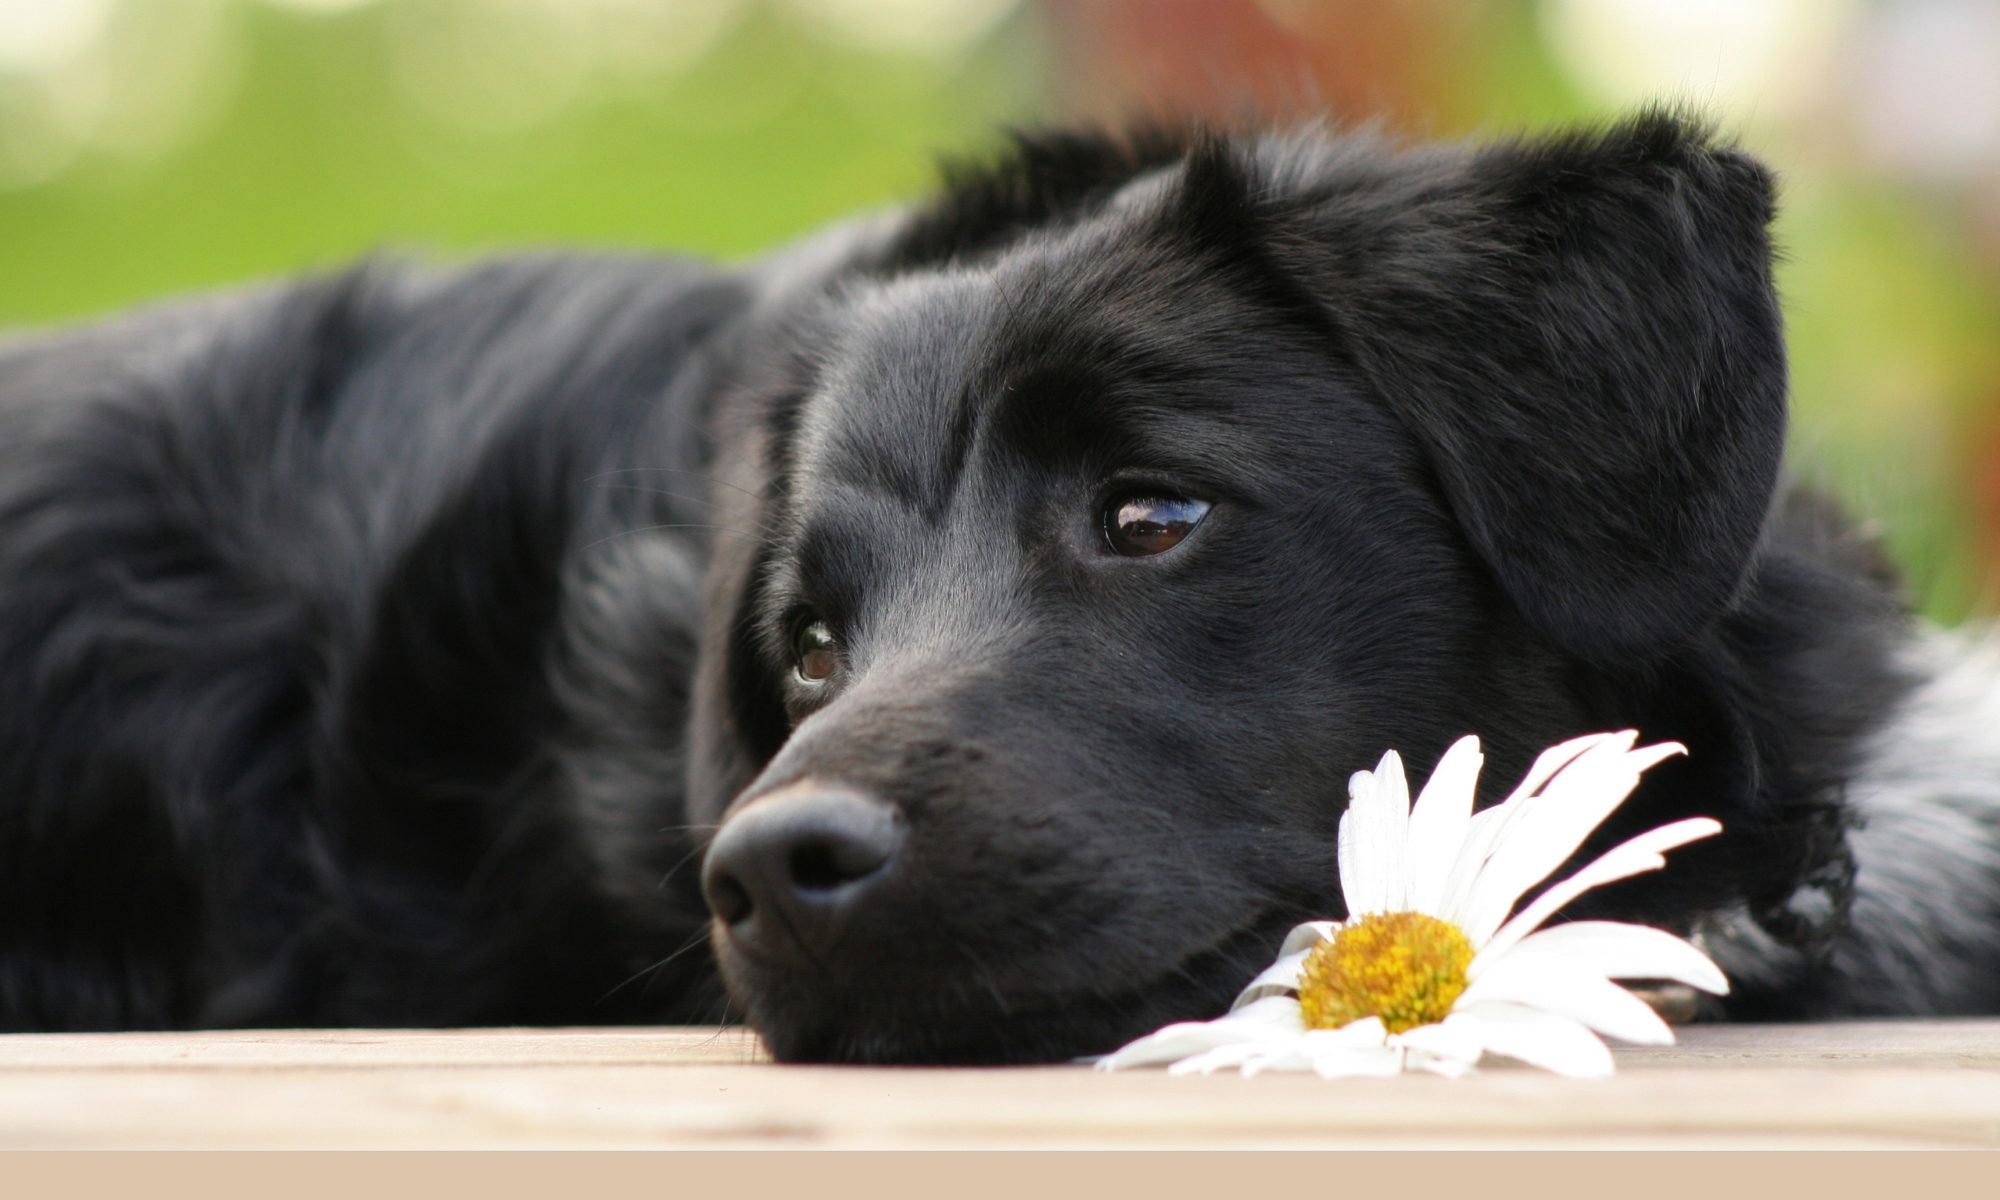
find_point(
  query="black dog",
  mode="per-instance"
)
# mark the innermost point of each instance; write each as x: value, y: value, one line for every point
x: 1007, y: 585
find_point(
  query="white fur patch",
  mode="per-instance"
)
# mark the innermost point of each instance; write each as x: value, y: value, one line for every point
x: 1926, y: 917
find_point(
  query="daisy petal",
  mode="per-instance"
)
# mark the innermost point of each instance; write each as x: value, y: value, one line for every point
x: 1450, y: 1038
x: 1560, y: 755
x: 1363, y: 880
x: 1210, y: 1061
x: 1392, y: 831
x: 1284, y: 1058
x: 1282, y: 976
x: 1267, y: 1022
x: 1438, y: 822
x: 1372, y: 832
x: 1647, y: 852
x: 1621, y: 951
x: 1357, y: 1048
x: 1280, y: 1013
x: 1542, y: 1039
x: 1308, y: 935
x: 1368, y: 1031
x: 1480, y: 834
x: 1575, y: 991
x: 1278, y: 978
x: 1486, y: 826
x: 1550, y: 826
x: 1547, y: 827
x: 1168, y: 1044
x: 1343, y: 1063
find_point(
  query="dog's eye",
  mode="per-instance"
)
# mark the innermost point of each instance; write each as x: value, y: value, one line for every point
x: 814, y: 652
x: 1138, y: 525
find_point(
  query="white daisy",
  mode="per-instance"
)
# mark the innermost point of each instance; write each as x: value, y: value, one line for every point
x: 1430, y: 971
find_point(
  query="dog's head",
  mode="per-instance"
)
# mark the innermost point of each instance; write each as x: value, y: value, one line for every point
x: 1132, y: 497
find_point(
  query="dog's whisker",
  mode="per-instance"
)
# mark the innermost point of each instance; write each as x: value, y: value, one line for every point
x: 678, y: 866
x: 654, y: 491
x: 654, y: 968
x: 977, y: 969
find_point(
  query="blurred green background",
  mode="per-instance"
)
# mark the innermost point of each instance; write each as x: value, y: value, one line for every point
x: 152, y: 146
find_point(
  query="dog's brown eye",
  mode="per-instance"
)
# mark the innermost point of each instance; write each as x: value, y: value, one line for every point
x: 815, y: 652
x: 1136, y: 526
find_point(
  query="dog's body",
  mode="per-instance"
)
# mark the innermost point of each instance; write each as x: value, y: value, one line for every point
x: 386, y: 649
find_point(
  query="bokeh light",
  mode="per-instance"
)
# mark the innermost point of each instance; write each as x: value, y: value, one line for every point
x: 149, y: 147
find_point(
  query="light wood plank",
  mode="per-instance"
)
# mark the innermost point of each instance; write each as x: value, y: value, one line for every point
x: 1913, y: 1084
x: 375, y: 1048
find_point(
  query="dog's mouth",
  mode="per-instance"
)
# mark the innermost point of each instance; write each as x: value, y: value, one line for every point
x: 940, y: 1016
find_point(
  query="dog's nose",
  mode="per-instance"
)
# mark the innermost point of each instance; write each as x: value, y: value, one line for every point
x: 790, y: 870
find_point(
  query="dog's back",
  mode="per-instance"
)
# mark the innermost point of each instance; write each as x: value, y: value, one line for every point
x: 280, y: 574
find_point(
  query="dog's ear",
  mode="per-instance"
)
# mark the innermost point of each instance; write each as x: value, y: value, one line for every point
x: 1583, y: 333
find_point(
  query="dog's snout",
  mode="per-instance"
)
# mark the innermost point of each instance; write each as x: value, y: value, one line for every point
x: 791, y: 869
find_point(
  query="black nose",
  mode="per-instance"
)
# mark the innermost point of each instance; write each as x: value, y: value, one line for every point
x: 788, y: 872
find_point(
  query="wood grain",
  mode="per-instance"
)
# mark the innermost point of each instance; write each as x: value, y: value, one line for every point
x: 1888, y: 1084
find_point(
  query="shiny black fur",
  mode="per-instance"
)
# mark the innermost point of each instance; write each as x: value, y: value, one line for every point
x: 383, y: 649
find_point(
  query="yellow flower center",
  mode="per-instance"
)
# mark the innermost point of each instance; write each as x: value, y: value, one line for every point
x: 1405, y: 967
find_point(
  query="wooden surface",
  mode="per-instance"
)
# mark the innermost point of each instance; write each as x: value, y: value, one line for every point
x: 1891, y: 1084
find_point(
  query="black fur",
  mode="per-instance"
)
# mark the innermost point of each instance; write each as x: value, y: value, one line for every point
x: 383, y: 649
